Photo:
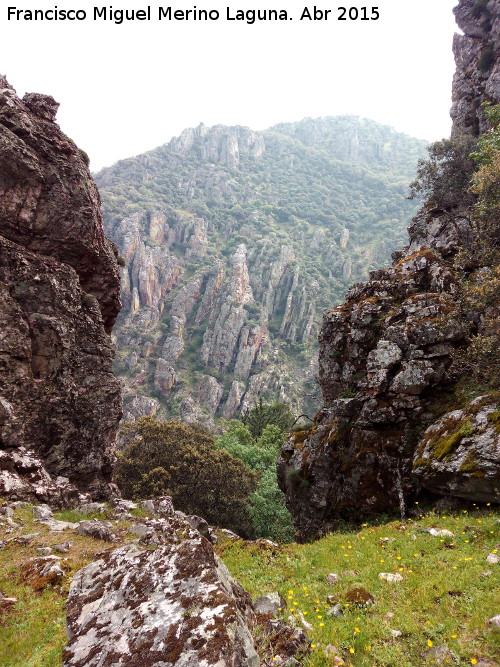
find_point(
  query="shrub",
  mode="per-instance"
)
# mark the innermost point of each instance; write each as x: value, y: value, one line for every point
x: 486, y: 59
x: 266, y: 506
x: 88, y: 300
x: 174, y: 459
x: 85, y: 157
x: 270, y: 517
x: 444, y: 178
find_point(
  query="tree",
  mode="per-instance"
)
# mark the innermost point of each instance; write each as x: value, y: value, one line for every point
x: 270, y: 517
x: 171, y: 458
x: 262, y: 415
x: 444, y: 178
x: 266, y: 506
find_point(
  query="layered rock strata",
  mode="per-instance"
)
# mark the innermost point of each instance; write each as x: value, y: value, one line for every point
x: 385, y: 352
x: 59, y: 291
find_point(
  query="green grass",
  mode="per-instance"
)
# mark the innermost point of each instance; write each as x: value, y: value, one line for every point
x: 33, y: 634
x: 74, y: 516
x: 443, y: 598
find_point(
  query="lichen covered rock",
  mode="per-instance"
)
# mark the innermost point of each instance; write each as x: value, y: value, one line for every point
x: 459, y: 455
x: 175, y: 605
x: 385, y: 355
x: 42, y: 571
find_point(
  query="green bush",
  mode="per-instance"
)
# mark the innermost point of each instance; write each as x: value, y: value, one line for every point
x: 266, y: 506
x: 171, y: 458
x: 270, y: 517
x: 444, y: 178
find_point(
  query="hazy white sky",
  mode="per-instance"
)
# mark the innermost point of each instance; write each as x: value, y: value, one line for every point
x: 125, y: 89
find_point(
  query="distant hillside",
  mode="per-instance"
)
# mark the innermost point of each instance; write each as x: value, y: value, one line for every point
x: 234, y: 243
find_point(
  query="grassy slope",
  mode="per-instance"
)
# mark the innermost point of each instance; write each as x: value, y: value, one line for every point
x: 34, y: 633
x: 443, y: 597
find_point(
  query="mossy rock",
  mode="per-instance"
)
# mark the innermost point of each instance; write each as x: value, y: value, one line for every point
x: 445, y: 440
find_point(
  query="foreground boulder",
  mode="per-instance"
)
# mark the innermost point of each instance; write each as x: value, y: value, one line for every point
x: 59, y: 296
x: 174, y: 605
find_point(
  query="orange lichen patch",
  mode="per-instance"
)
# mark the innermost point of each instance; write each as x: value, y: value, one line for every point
x: 369, y: 299
x: 427, y: 253
x: 298, y: 437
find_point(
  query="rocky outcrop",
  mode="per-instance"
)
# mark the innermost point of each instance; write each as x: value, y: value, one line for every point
x: 59, y: 292
x: 50, y: 205
x: 477, y: 56
x: 220, y: 144
x: 175, y: 604
x: 459, y: 454
x: 384, y: 357
x: 194, y: 333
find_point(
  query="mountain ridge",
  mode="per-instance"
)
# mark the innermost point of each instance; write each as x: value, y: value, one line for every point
x: 293, y: 223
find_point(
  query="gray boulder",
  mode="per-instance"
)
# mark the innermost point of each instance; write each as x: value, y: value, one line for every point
x: 459, y: 455
x: 100, y: 530
x: 175, y: 605
x: 271, y: 603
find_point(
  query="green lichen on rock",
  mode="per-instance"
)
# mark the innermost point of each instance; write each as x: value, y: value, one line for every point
x: 444, y: 443
x: 470, y: 463
x: 421, y: 462
x: 494, y: 419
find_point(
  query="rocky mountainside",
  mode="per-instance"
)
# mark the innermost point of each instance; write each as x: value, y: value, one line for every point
x: 59, y: 291
x: 391, y: 427
x: 234, y: 242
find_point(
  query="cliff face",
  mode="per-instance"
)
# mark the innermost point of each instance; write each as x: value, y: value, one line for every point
x: 385, y: 352
x: 202, y: 339
x: 234, y: 242
x: 59, y: 289
x: 477, y: 75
